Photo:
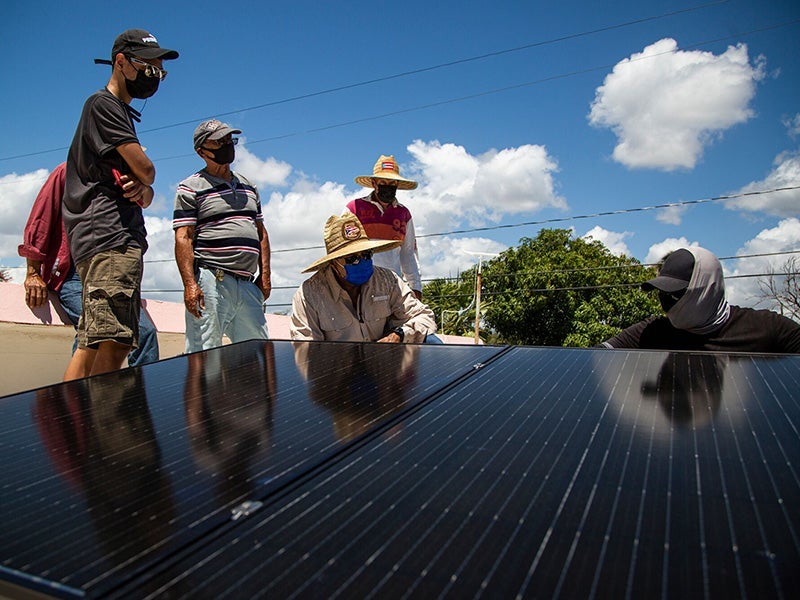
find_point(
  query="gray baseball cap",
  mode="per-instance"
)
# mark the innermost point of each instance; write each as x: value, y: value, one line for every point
x: 212, y: 130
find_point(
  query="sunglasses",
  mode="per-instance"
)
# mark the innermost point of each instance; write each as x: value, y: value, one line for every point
x: 149, y: 70
x: 222, y: 143
x: 354, y: 259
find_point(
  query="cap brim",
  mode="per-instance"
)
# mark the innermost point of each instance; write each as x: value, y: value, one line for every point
x: 665, y: 284
x: 162, y: 53
x: 221, y: 133
x: 354, y: 248
x: 402, y: 184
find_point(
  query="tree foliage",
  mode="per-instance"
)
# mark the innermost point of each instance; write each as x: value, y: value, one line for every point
x: 551, y: 290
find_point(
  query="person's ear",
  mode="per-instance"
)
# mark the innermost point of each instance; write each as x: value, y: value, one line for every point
x: 119, y: 60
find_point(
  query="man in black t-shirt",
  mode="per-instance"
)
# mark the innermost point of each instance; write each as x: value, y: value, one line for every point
x: 691, y: 289
x: 108, y: 183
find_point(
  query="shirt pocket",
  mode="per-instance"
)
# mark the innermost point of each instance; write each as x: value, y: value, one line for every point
x: 377, y: 309
x: 337, y: 325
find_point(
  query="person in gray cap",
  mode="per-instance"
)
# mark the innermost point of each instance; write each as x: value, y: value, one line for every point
x: 691, y: 290
x: 108, y: 183
x: 221, y: 246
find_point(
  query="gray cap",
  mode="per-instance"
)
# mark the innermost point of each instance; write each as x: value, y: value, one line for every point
x: 212, y: 130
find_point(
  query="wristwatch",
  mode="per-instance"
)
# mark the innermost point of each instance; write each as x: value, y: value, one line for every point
x: 399, y: 331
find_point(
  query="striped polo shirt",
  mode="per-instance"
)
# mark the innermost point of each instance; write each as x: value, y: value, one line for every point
x: 224, y: 215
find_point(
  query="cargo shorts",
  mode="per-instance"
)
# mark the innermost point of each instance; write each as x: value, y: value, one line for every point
x: 111, y: 297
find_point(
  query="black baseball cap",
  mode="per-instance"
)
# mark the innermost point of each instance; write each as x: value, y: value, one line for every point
x: 142, y: 44
x: 675, y: 273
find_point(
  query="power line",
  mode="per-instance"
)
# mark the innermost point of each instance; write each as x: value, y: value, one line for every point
x: 517, y: 291
x: 561, y: 219
x: 568, y: 218
x: 617, y: 267
x: 553, y: 272
x: 423, y: 106
x: 444, y: 65
x: 419, y: 71
x: 614, y: 212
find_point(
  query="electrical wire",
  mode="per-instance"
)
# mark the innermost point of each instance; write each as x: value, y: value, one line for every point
x: 564, y: 219
x: 439, y: 66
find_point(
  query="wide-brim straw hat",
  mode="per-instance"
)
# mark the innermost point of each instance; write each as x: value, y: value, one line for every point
x: 386, y: 168
x: 344, y: 236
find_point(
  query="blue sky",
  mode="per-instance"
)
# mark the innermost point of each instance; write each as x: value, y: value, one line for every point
x: 576, y: 108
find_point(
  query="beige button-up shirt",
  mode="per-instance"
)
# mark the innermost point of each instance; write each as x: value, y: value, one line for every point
x: 322, y: 310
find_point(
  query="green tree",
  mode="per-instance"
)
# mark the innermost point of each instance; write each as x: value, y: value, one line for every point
x: 556, y: 290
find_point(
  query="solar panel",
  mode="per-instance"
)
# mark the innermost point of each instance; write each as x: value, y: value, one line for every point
x: 328, y: 469
x: 105, y: 476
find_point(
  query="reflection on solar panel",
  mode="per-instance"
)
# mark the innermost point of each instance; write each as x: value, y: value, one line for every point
x: 325, y: 469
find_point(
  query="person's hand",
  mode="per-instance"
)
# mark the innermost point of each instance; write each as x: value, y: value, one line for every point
x: 392, y: 338
x: 135, y: 191
x: 194, y: 300
x: 264, y: 283
x: 35, y: 290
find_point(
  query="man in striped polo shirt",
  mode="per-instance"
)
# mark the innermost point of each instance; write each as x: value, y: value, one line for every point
x: 221, y: 246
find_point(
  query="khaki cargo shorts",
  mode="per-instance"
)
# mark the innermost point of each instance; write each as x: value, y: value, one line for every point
x: 111, y: 297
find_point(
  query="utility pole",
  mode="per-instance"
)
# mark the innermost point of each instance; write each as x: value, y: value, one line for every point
x: 480, y: 256
x: 478, y: 303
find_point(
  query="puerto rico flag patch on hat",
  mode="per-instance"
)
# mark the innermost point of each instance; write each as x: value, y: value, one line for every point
x: 351, y: 231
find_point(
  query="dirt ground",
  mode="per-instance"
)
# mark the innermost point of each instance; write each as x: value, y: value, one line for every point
x: 33, y: 356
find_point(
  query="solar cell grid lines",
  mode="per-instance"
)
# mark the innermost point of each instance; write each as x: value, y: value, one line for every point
x: 412, y: 471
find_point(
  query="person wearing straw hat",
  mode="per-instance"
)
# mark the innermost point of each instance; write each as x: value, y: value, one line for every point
x: 349, y: 299
x: 384, y: 218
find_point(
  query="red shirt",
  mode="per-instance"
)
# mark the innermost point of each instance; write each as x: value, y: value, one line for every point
x: 44, y: 238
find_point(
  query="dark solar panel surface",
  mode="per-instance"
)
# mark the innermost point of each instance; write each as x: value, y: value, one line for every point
x: 104, y: 477
x: 412, y: 471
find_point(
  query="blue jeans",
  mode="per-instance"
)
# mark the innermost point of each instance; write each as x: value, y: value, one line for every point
x: 233, y: 307
x: 70, y: 297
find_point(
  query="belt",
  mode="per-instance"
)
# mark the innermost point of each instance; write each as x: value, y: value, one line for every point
x: 221, y: 273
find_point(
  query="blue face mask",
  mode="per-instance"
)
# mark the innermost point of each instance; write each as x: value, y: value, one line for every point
x: 359, y: 273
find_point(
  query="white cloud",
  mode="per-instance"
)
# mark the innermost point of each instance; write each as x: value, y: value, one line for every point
x: 457, y: 190
x: 792, y: 125
x: 672, y: 215
x: 658, y: 251
x: 784, y: 236
x: 17, y: 193
x: 448, y: 256
x: 263, y: 173
x: 786, y: 173
x: 666, y: 105
x: 612, y: 240
x: 457, y: 187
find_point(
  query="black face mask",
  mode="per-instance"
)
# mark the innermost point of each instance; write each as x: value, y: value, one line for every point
x: 668, y: 300
x: 143, y: 86
x: 223, y: 155
x: 386, y: 193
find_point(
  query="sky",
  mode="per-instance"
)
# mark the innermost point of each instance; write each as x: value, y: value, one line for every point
x: 511, y: 116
